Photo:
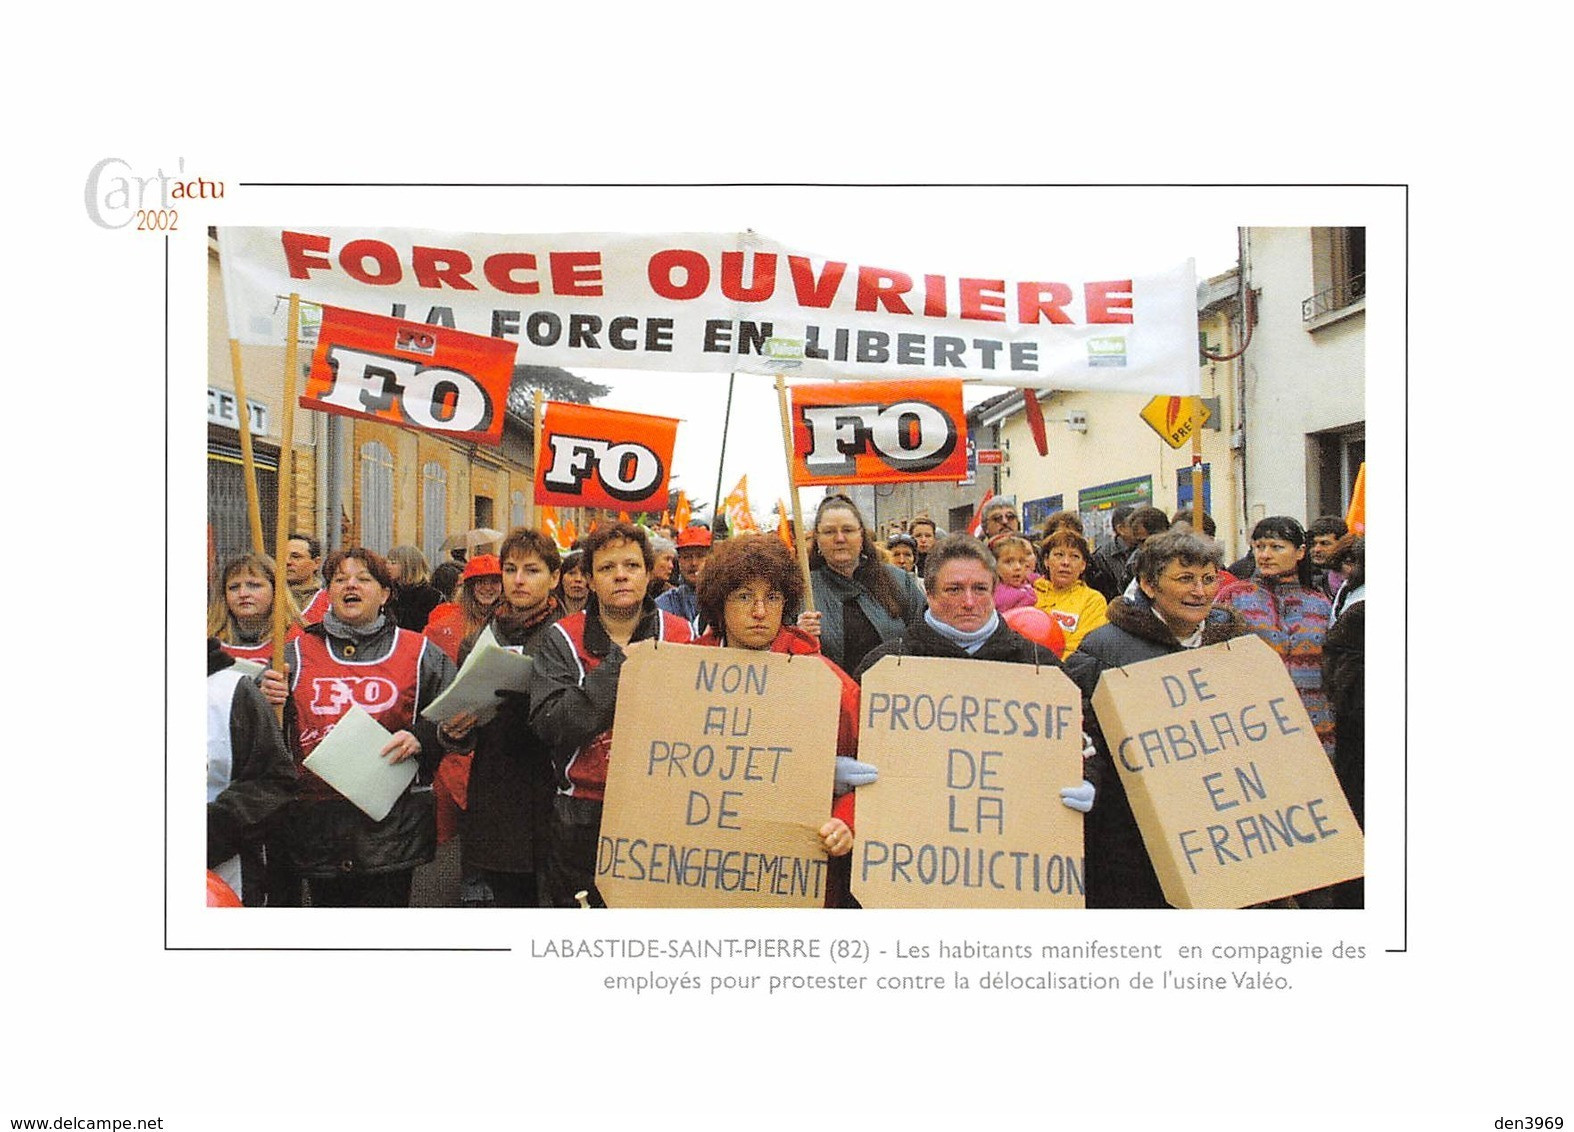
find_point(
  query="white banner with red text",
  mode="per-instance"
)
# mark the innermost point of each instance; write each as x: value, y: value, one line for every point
x: 732, y: 302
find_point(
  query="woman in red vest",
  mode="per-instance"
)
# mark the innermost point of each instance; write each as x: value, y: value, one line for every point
x: 357, y: 656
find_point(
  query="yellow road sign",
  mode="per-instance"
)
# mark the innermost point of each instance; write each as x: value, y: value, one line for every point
x: 1175, y: 418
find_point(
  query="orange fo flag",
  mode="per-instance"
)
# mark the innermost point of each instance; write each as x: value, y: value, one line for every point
x: 784, y: 525
x: 681, y: 514
x: 1355, y: 517
x: 740, y: 520
x: 607, y: 458
x: 569, y: 536
x: 430, y: 378
x: 878, y: 432
x: 547, y: 515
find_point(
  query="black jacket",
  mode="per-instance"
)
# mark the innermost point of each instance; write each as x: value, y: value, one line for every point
x: 261, y: 781
x: 1344, y: 680
x: 1004, y: 644
x: 509, y: 797
x: 1119, y: 872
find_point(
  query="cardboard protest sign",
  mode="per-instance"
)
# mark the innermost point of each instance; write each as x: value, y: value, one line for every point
x: 407, y: 373
x: 878, y: 432
x: 736, y: 302
x: 608, y: 458
x: 1235, y: 798
x: 966, y: 812
x: 719, y: 780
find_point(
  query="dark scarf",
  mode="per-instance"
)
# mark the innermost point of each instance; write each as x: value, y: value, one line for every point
x: 512, y: 625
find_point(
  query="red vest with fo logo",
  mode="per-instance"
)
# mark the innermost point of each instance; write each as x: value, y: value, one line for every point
x: 325, y: 688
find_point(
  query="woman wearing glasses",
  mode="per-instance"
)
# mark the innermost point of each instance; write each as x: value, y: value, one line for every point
x: 862, y: 599
x: 749, y: 595
x: 1177, y: 575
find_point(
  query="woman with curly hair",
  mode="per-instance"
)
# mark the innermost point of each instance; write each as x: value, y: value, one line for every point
x: 749, y: 595
x: 862, y: 599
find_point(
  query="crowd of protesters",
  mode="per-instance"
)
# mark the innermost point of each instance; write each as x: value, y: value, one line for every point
x: 522, y: 789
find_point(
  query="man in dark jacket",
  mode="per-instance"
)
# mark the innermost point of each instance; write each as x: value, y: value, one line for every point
x: 1107, y: 568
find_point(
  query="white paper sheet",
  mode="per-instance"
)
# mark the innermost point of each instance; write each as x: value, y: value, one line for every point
x: 350, y: 761
x: 488, y: 668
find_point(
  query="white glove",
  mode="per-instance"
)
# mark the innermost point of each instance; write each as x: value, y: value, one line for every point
x: 1079, y: 798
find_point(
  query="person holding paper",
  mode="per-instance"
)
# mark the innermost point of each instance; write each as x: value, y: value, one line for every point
x: 750, y: 592
x: 1177, y: 577
x: 574, y: 692
x: 357, y: 656
x: 241, y: 615
x: 503, y: 838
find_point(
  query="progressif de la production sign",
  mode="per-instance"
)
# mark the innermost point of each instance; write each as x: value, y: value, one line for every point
x: 966, y: 813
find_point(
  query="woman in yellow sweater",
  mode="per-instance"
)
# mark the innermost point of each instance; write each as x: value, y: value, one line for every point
x: 1075, y: 606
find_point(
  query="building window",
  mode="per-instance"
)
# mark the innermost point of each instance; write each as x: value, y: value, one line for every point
x: 1337, y: 456
x: 516, y: 510
x: 434, y: 510
x: 1338, y: 271
x: 376, y: 496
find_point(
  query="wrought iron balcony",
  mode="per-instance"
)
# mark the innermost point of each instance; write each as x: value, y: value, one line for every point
x: 1337, y: 297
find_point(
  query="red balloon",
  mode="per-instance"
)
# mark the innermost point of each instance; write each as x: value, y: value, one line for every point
x: 221, y: 895
x: 1038, y: 627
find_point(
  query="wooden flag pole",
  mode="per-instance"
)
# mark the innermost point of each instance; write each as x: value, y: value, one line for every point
x: 535, y: 504
x: 1196, y: 467
x: 800, y: 536
x: 721, y: 462
x: 282, y: 519
x: 248, y: 465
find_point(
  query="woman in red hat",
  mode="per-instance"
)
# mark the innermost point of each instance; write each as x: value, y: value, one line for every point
x: 480, y: 589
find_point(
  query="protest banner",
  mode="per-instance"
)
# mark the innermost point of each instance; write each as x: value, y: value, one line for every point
x: 410, y: 374
x: 878, y: 432
x: 719, y: 780
x: 593, y: 457
x: 966, y: 812
x: 1235, y: 798
x: 734, y: 302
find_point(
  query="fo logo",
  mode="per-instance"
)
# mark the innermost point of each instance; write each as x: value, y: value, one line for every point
x: 335, y: 695
x: 907, y: 436
x: 629, y: 471
x: 413, y: 341
x: 433, y: 397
